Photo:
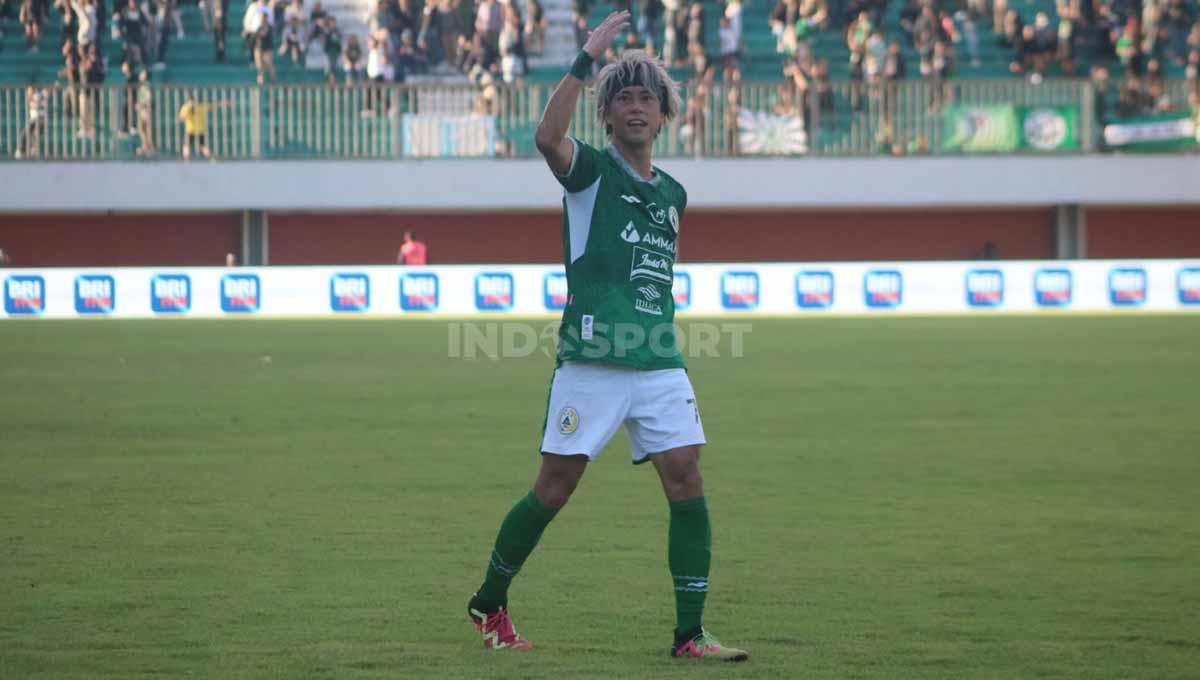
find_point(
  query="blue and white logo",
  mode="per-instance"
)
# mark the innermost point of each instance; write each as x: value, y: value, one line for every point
x: 1188, y: 283
x: 814, y: 289
x: 681, y: 289
x: 985, y: 288
x: 739, y: 290
x: 1052, y: 287
x: 883, y: 288
x: 240, y: 293
x: 24, y: 294
x: 170, y: 293
x: 419, y: 292
x: 349, y: 293
x: 95, y: 294
x: 1127, y: 286
x: 554, y: 291
x: 493, y: 291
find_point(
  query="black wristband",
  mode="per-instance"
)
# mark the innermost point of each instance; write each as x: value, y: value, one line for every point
x: 581, y: 68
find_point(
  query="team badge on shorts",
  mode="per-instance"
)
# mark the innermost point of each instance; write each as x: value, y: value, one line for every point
x: 568, y: 420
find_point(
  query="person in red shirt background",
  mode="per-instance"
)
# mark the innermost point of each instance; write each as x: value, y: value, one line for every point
x: 412, y: 251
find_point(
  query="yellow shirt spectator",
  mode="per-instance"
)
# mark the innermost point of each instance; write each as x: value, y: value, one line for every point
x: 195, y: 118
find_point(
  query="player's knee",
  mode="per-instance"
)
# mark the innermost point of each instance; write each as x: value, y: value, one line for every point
x: 685, y: 482
x: 554, y: 492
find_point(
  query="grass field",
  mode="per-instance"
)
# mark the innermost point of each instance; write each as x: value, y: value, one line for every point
x: 892, y: 498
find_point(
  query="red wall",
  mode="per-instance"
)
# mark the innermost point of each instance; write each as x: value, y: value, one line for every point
x: 1116, y: 233
x: 305, y: 238
x: 120, y: 239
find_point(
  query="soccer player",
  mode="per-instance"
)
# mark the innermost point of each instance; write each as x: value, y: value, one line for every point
x: 618, y: 363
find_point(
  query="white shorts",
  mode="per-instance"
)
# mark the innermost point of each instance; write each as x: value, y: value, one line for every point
x: 590, y: 400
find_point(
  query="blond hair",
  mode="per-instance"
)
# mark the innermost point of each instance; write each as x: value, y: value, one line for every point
x: 635, y: 67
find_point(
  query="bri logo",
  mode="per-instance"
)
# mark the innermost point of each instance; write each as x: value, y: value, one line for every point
x: 814, y: 289
x: 1189, y: 286
x: 493, y: 291
x: 883, y: 288
x: 681, y: 290
x: 240, y: 293
x: 739, y: 290
x: 349, y: 292
x: 985, y: 288
x: 419, y: 292
x: 1127, y: 286
x: 554, y: 290
x: 24, y: 294
x: 170, y: 293
x: 1052, y: 287
x: 95, y: 294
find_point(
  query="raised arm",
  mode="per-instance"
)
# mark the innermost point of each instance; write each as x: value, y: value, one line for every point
x: 551, y: 135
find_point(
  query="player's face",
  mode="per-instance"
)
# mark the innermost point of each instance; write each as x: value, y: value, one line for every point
x: 635, y: 115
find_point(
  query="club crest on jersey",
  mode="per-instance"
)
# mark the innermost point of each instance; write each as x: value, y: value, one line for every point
x: 240, y: 293
x: 24, y: 294
x: 985, y: 288
x: 630, y: 234
x: 493, y: 291
x: 1052, y: 287
x: 681, y: 290
x: 1127, y: 286
x: 648, y: 264
x: 419, y: 292
x: 554, y: 291
x: 567, y: 420
x: 673, y: 216
x: 349, y: 292
x: 1188, y: 283
x: 739, y: 290
x: 814, y: 289
x: 95, y: 294
x: 883, y: 288
x: 170, y: 293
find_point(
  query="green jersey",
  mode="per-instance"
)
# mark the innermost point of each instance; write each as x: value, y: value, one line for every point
x: 619, y: 235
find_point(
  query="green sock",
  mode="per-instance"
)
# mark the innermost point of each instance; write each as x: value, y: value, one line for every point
x: 519, y: 533
x: 689, y: 555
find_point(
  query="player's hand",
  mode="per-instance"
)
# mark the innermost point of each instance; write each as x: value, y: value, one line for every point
x: 600, y: 38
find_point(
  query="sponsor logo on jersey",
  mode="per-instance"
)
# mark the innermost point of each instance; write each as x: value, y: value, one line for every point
x: 419, y: 292
x: 657, y: 215
x: 814, y: 289
x: 1127, y: 286
x: 349, y: 292
x: 240, y: 293
x: 739, y: 290
x: 24, y: 294
x: 493, y: 291
x: 673, y: 216
x: 1188, y: 282
x: 883, y: 288
x: 554, y: 290
x: 652, y: 239
x: 650, y: 265
x: 170, y: 293
x: 631, y: 200
x: 985, y: 288
x: 630, y: 234
x: 95, y: 294
x: 1052, y: 287
x: 647, y: 302
x: 681, y: 290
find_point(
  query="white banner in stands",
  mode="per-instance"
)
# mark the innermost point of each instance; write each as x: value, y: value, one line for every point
x: 701, y: 289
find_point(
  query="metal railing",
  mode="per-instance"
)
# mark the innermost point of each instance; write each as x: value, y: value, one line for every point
x: 396, y: 121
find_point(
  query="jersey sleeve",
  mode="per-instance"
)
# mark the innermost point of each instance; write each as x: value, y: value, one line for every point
x: 585, y: 168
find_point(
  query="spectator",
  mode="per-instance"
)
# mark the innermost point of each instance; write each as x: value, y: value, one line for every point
x: 815, y: 13
x: 145, y: 115
x: 220, y: 11
x: 31, y: 18
x: 733, y: 106
x: 331, y: 37
x: 1013, y: 31
x: 264, y: 45
x: 379, y: 71
x: 1045, y: 46
x: 70, y: 25
x: 1157, y: 99
x: 91, y: 75
x: 1128, y: 47
x: 316, y: 23
x: 730, y: 45
x: 71, y: 80
x: 257, y: 13
x: 536, y: 25
x: 672, y: 11
x: 85, y: 16
x: 291, y: 41
x: 409, y: 60
x: 131, y: 25
x: 1131, y: 100
x: 1066, y: 39
x: 649, y: 17
x: 695, y: 37
x: 782, y: 19
x: 194, y: 116
x: 489, y: 19
x: 970, y: 35
x: 168, y: 12
x: 35, y: 125
x: 207, y: 13
x: 412, y: 251
x: 512, y: 47
x: 129, y: 110
x: 926, y: 32
x: 352, y: 60
x: 874, y: 56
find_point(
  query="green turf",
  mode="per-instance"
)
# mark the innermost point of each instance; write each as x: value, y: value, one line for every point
x: 892, y: 498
